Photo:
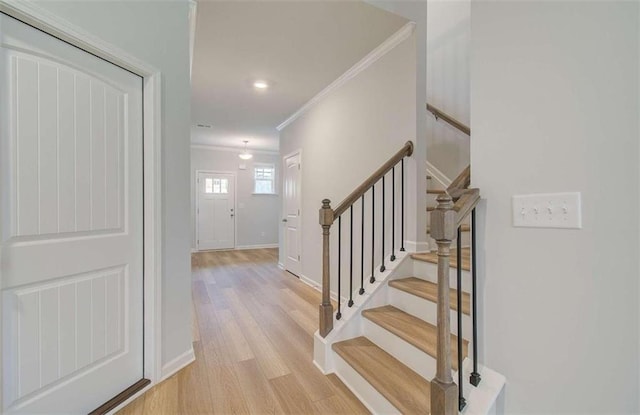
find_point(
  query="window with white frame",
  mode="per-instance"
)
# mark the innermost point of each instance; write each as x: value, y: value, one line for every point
x: 264, y: 179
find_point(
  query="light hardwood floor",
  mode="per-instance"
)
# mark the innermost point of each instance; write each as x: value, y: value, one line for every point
x: 253, y: 339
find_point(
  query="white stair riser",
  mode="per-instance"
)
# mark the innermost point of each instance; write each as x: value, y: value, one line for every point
x: 411, y: 356
x: 429, y: 272
x: 367, y: 394
x: 427, y: 310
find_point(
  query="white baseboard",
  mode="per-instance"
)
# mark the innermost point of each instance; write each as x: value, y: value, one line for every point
x: 311, y: 283
x: 281, y: 265
x: 413, y: 246
x: 238, y: 248
x: 263, y: 246
x: 178, y: 363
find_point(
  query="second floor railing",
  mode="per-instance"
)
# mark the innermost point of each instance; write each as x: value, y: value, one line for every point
x: 363, y: 195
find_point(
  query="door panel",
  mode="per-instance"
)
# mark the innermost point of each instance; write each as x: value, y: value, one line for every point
x: 216, y: 211
x: 70, y: 224
x: 293, y: 253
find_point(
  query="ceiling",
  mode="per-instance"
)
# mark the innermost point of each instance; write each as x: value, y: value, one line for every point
x: 298, y: 47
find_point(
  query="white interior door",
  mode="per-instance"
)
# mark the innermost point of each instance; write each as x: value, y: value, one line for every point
x: 292, y: 175
x: 71, y: 237
x: 216, y: 211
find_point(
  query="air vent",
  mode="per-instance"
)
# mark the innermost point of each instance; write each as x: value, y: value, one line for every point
x: 203, y: 126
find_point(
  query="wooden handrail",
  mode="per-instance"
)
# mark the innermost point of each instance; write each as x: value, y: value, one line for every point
x: 449, y: 119
x: 405, y: 151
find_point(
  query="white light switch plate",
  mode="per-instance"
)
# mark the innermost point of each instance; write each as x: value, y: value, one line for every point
x: 550, y: 210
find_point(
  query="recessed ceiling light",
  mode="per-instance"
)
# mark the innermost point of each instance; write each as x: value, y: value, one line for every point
x: 261, y: 84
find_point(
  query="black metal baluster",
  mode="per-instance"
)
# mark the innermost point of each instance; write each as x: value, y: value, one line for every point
x: 339, y: 314
x: 373, y: 231
x: 393, y: 213
x: 402, y: 209
x: 350, y: 303
x: 382, y: 267
x: 461, y: 401
x: 475, y: 376
x: 362, y: 250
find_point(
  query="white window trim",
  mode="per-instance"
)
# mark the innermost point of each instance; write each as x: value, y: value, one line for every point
x: 274, y: 179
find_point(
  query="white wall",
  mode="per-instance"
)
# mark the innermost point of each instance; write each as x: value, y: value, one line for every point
x: 448, y: 83
x: 555, y: 100
x: 257, y: 216
x: 157, y: 32
x: 416, y: 11
x: 349, y: 134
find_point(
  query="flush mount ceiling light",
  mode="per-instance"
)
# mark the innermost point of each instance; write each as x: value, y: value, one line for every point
x: 245, y: 155
x: 260, y: 84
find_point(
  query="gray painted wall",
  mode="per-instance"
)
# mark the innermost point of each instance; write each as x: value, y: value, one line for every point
x: 448, y: 83
x: 349, y: 134
x: 157, y: 32
x: 555, y: 100
x: 257, y: 216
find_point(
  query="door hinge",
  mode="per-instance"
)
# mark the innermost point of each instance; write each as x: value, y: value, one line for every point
x: 298, y: 257
x: 298, y: 212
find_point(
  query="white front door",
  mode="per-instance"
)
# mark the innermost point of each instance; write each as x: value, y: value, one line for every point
x: 292, y: 214
x: 216, y: 211
x: 71, y: 237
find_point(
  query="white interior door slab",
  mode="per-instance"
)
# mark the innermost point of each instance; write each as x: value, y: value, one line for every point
x: 293, y: 254
x: 71, y: 206
x: 216, y: 211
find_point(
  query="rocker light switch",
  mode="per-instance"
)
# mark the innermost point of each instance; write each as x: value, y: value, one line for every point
x: 551, y: 210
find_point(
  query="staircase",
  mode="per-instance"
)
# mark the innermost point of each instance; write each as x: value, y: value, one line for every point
x: 403, y: 341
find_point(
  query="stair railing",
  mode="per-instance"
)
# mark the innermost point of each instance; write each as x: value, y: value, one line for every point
x: 439, y: 114
x: 453, y: 208
x: 329, y: 215
x: 446, y: 219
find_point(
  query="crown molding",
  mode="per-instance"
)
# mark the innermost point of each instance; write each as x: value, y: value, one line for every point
x: 381, y: 50
x: 233, y: 149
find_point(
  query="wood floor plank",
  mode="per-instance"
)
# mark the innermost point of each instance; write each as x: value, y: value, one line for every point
x: 237, y: 344
x: 259, y: 396
x: 163, y: 399
x: 193, y: 387
x: 341, y: 390
x: 245, y: 295
x: 270, y: 361
x: 136, y: 407
x: 227, y: 394
x: 295, y: 346
x: 290, y: 395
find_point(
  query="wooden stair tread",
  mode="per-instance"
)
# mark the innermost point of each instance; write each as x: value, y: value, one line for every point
x: 429, y: 291
x: 431, y: 208
x: 464, y: 228
x: 413, y: 330
x: 436, y: 191
x: 432, y: 257
x: 405, y: 389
